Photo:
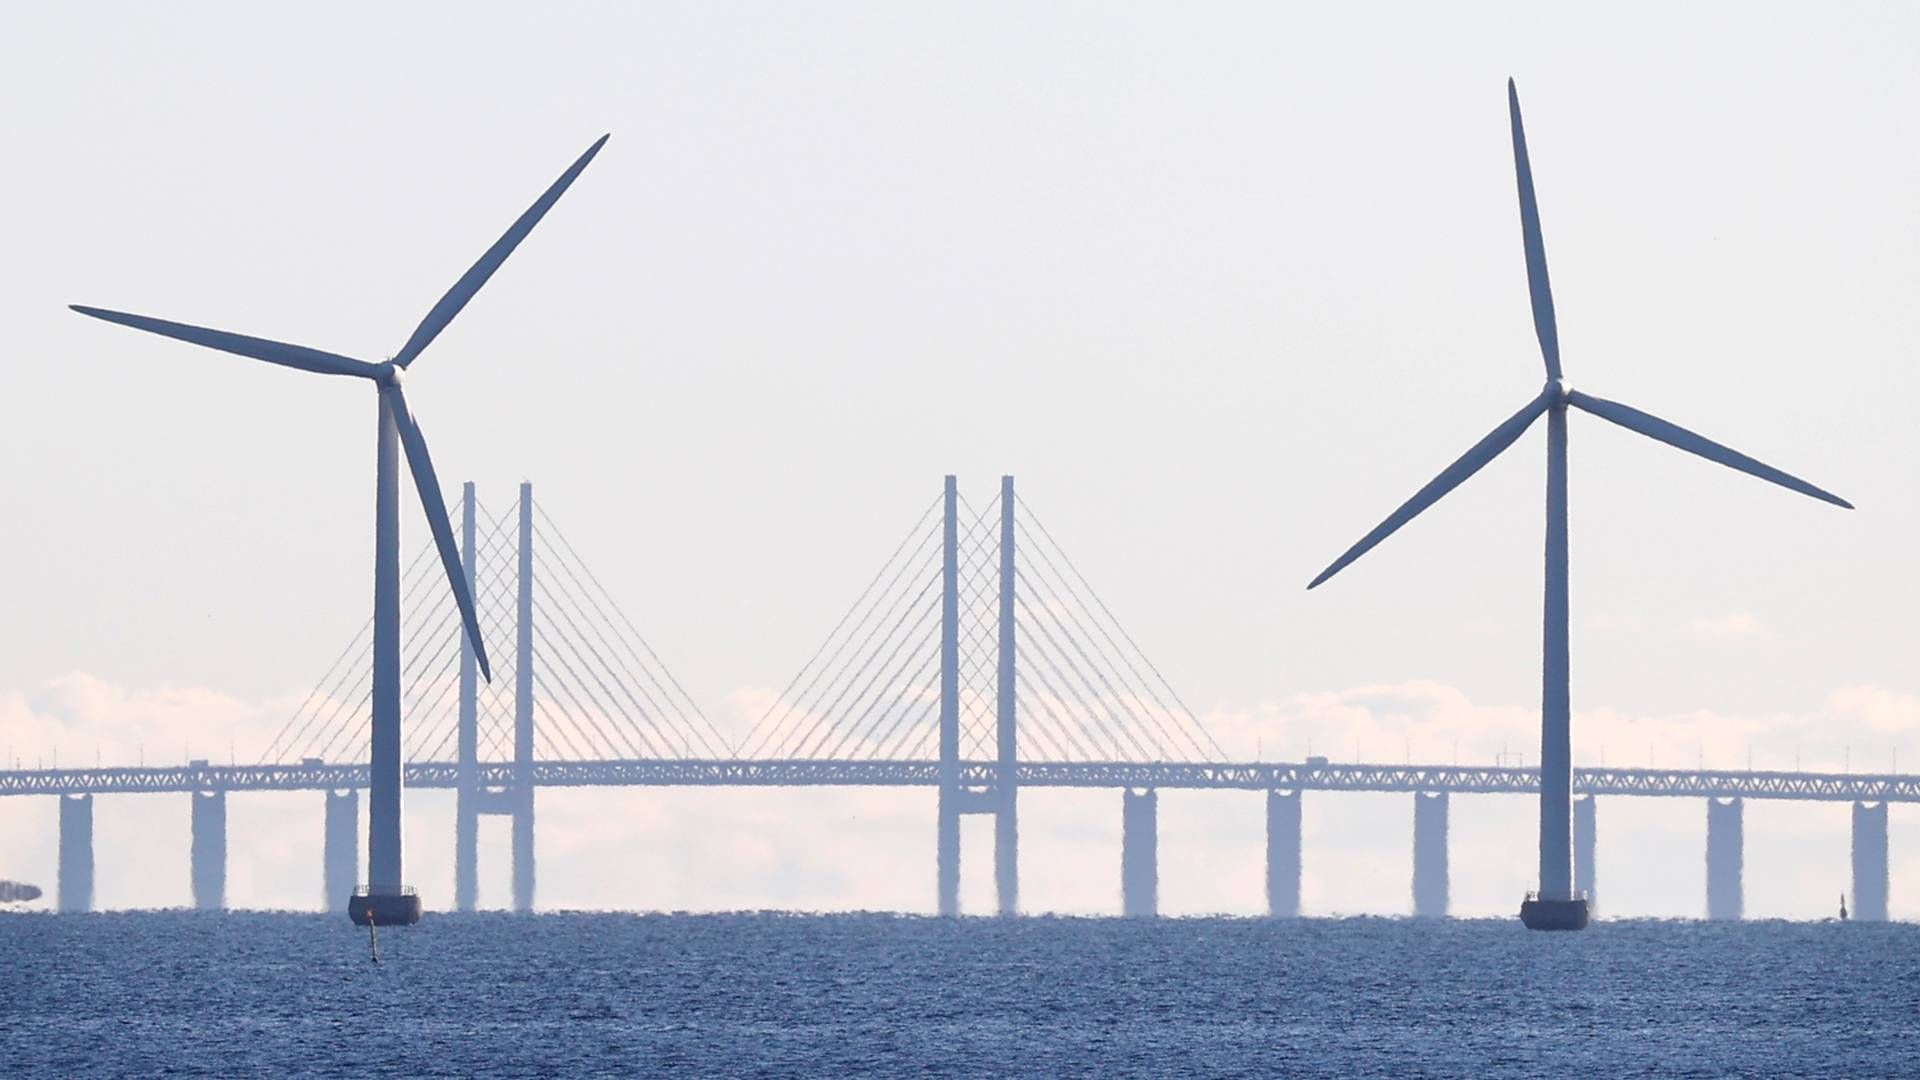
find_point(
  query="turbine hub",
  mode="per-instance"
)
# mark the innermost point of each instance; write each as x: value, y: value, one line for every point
x: 392, y: 374
x: 1557, y: 392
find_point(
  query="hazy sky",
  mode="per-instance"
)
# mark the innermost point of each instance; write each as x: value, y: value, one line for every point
x: 1220, y: 285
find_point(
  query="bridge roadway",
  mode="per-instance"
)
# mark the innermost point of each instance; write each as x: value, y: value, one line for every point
x: 747, y: 772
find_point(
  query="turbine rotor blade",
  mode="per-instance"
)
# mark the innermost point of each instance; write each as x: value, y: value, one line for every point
x: 1537, y: 286
x: 477, y: 275
x: 273, y: 352
x: 1674, y: 435
x: 1469, y: 463
x: 436, y: 509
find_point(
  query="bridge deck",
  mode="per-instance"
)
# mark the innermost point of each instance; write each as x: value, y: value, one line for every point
x: 1244, y: 776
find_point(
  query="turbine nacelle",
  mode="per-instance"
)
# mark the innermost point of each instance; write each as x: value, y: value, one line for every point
x: 1556, y: 393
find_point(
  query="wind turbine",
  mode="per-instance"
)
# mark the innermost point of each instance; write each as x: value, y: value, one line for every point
x: 387, y: 900
x: 1555, y: 907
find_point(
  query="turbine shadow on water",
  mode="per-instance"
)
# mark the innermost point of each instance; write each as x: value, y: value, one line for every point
x: 1556, y: 906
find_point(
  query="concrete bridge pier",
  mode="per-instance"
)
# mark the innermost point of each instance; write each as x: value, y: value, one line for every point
x: 523, y: 868
x: 209, y: 850
x: 1140, y: 853
x: 1724, y: 857
x: 1283, y: 854
x: 1584, y: 843
x: 340, y: 851
x: 75, y: 895
x: 1430, y: 854
x: 1870, y: 862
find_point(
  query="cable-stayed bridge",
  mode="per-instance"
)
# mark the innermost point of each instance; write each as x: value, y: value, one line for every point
x: 977, y: 661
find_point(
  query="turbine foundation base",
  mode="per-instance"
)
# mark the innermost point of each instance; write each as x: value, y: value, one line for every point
x: 384, y: 909
x: 1539, y: 914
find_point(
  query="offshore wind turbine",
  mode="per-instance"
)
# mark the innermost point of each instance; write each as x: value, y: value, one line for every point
x: 387, y: 900
x: 1555, y: 906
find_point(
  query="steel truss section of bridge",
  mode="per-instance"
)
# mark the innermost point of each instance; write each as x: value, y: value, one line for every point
x: 749, y: 772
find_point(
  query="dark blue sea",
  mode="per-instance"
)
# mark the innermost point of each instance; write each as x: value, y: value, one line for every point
x: 783, y: 995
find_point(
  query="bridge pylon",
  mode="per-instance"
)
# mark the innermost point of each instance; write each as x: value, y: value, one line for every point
x: 474, y: 799
x: 1006, y: 819
x: 1001, y: 798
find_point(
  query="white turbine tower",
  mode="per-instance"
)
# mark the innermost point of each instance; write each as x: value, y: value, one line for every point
x: 387, y: 900
x: 1556, y: 907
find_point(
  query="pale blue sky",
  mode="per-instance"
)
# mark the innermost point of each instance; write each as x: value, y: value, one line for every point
x: 1221, y: 286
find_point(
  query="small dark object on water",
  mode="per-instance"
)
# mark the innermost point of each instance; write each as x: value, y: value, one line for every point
x: 12, y: 892
x: 1843, y: 907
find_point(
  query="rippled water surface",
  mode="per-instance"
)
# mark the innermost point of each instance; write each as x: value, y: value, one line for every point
x: 284, y: 994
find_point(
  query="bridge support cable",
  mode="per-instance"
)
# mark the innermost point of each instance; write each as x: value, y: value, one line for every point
x: 328, y: 697
x: 341, y: 736
x: 498, y: 566
x: 816, y: 718
x: 579, y: 690
x: 881, y: 696
x: 795, y: 704
x: 854, y: 684
x: 336, y: 729
x: 914, y: 734
x: 905, y: 714
x: 421, y: 735
x: 1081, y: 728
x: 1123, y: 737
x: 554, y: 728
x: 606, y: 619
x: 493, y: 622
x: 1038, y: 735
x: 485, y: 702
x: 1114, y: 740
x: 1037, y: 673
x: 893, y: 601
x: 604, y: 698
x: 1154, y: 725
x: 978, y: 628
x: 1110, y: 626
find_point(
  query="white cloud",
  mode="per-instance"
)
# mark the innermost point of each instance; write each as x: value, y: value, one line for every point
x: 1738, y: 624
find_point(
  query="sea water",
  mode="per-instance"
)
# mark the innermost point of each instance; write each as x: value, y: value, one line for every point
x: 828, y: 995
